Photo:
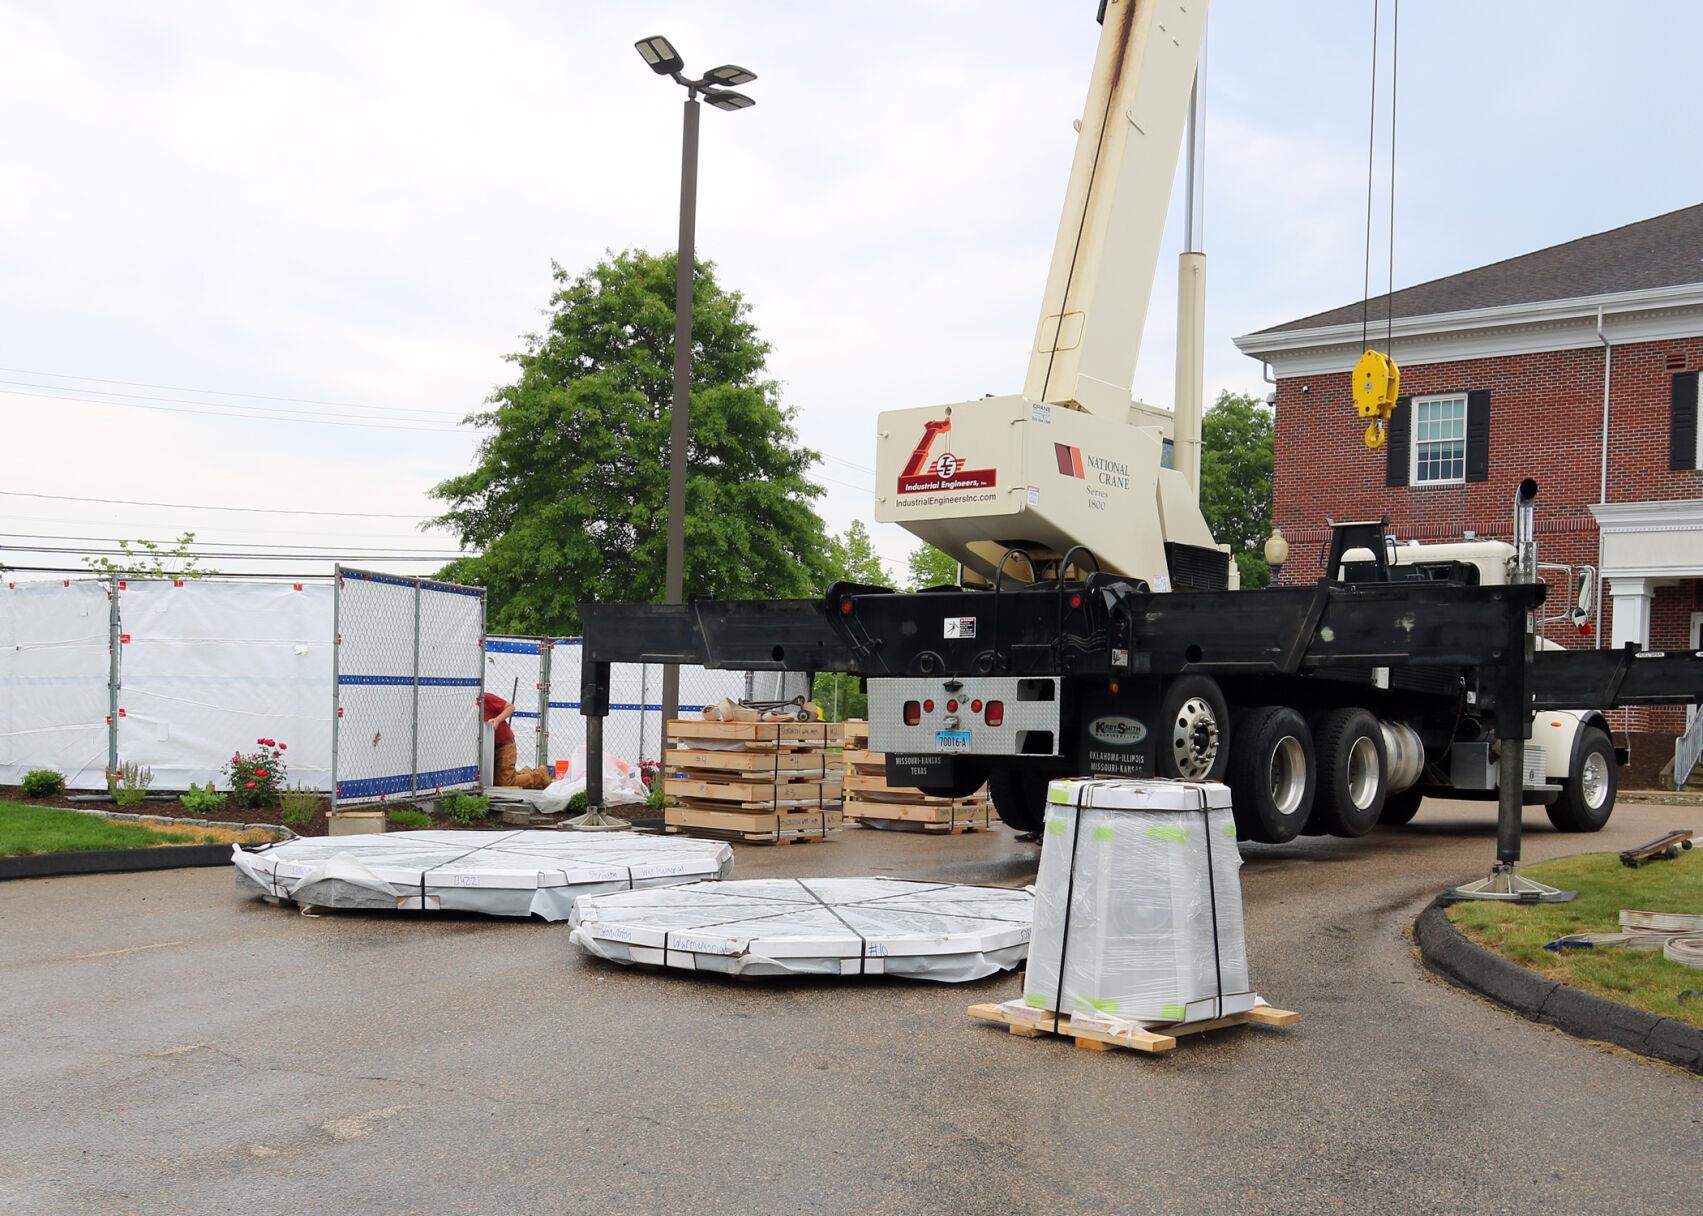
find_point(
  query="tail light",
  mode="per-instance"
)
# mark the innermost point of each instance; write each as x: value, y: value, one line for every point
x: 996, y: 713
x: 913, y: 713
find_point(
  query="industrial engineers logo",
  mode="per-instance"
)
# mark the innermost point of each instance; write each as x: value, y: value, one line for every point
x: 946, y: 471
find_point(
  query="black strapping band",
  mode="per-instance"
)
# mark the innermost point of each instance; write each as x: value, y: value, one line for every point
x: 1212, y: 893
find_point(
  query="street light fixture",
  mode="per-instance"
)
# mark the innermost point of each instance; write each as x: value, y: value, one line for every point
x: 664, y: 60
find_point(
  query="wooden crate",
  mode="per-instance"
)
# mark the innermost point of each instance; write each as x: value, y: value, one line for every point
x: 771, y: 766
x: 772, y: 734
x: 1136, y: 1040
x: 956, y: 815
x: 752, y: 827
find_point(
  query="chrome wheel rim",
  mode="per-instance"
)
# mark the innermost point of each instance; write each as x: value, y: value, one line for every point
x: 1288, y: 775
x: 1593, y: 781
x: 1363, y: 773
x: 1194, y: 739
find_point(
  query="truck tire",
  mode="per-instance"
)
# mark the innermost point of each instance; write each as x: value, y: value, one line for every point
x: 1587, y: 796
x: 1273, y: 775
x: 1350, y: 748
x: 1020, y: 797
x: 1400, y: 808
x: 1194, y: 730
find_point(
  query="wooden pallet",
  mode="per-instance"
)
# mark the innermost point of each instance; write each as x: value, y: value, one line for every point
x: 746, y: 791
x: 1150, y: 1041
x: 876, y: 789
x: 752, y: 827
x: 784, y: 734
x: 855, y: 733
x: 858, y: 760
x: 939, y: 812
x: 754, y: 766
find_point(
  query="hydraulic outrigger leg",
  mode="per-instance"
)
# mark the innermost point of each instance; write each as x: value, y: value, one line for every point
x: 1513, y: 726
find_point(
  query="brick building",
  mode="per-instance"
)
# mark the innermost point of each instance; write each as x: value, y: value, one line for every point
x: 1577, y: 365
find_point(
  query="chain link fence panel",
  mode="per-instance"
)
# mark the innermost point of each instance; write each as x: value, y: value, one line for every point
x: 516, y: 669
x: 55, y: 680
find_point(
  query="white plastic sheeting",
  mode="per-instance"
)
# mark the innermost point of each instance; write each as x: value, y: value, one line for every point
x: 207, y: 668
x: 817, y: 926
x: 1138, y: 905
x: 521, y: 873
x: 55, y: 663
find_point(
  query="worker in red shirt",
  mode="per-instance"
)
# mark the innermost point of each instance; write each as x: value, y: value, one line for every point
x: 498, y: 710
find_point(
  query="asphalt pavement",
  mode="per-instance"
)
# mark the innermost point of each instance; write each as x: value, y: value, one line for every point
x: 166, y: 1046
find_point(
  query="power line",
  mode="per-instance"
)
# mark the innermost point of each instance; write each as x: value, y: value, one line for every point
x: 100, y: 395
x: 145, y: 554
x: 225, y: 413
x: 190, y: 506
x: 225, y: 544
x: 209, y: 392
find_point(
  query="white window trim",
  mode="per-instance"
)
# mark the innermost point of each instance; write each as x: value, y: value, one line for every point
x: 1413, y: 440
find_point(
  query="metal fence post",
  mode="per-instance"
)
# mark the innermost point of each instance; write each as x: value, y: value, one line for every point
x: 336, y: 672
x: 113, y: 674
x: 546, y: 649
x: 414, y: 733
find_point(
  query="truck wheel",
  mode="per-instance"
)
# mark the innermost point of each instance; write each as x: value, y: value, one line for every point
x: 1587, y: 796
x: 1194, y: 722
x: 1350, y: 748
x: 1020, y: 797
x: 1400, y: 808
x: 1272, y: 774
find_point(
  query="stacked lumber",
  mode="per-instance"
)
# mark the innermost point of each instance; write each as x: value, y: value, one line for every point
x: 758, y: 782
x: 873, y: 803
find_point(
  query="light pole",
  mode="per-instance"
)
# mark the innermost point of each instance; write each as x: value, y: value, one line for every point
x: 664, y: 60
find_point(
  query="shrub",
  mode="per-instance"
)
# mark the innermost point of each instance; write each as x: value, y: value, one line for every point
x: 408, y: 817
x: 43, y: 783
x: 578, y: 804
x: 129, y: 784
x: 257, y: 779
x: 300, y: 804
x: 202, y: 802
x: 656, y: 800
x: 466, y: 808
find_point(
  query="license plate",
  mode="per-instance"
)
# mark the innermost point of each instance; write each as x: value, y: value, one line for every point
x: 952, y: 740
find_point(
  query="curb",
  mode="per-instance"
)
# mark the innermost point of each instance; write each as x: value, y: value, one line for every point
x: 115, y: 861
x: 1448, y: 953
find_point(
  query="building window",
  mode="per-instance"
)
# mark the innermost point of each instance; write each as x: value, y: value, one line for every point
x: 1439, y: 440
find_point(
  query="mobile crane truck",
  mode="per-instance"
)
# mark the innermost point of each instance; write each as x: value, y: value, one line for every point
x: 1097, y: 628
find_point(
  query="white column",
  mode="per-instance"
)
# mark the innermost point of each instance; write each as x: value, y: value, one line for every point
x: 1631, y: 610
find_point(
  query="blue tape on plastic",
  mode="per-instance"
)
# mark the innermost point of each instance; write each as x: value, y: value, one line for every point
x: 685, y: 709
x: 570, y: 641
x: 425, y: 681
x: 521, y: 713
x: 452, y: 589
x: 401, y: 783
x: 368, y: 576
x: 403, y: 680
x: 497, y: 646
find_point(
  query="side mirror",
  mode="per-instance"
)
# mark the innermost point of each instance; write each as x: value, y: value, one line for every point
x: 1585, y: 603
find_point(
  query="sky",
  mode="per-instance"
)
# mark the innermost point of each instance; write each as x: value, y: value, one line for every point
x: 258, y: 261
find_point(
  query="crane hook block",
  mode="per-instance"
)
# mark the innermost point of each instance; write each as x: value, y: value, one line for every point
x: 1377, y: 384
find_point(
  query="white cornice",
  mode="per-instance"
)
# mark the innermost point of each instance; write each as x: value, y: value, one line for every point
x: 1631, y: 316
x: 1669, y: 515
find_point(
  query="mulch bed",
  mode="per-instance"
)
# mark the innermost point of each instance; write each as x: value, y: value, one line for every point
x: 172, y: 808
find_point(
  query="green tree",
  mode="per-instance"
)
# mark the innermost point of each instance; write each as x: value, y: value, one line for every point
x: 1235, y: 480
x: 567, y: 500
x: 153, y: 560
x: 929, y: 567
x: 851, y: 558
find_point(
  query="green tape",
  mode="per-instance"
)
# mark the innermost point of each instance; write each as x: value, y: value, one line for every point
x: 1057, y: 794
x: 1172, y: 1013
x: 1055, y: 827
x: 1083, y: 1002
x: 1178, y: 835
x: 1034, y: 1000
x: 1230, y: 830
x: 1103, y: 832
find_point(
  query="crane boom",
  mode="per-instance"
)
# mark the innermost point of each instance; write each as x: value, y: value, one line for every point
x: 1107, y: 250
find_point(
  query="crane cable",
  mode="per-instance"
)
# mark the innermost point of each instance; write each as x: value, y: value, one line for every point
x: 1376, y: 380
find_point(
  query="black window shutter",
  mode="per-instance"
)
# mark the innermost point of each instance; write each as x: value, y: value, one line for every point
x: 1682, y: 452
x: 1478, y: 435
x: 1396, y: 440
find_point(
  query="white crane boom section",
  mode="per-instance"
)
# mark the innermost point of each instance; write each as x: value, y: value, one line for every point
x: 1107, y: 250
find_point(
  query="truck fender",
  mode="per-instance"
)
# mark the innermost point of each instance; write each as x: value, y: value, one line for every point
x: 1556, y: 731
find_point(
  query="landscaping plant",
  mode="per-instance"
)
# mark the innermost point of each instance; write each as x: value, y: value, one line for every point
x: 300, y: 803
x: 129, y: 784
x: 577, y: 805
x: 466, y: 808
x: 43, y: 783
x: 257, y: 779
x: 408, y: 817
x: 202, y: 801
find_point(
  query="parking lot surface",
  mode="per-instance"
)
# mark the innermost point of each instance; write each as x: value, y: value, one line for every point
x: 169, y: 1047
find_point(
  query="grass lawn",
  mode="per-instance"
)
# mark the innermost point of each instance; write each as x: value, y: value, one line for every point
x: 46, y: 829
x: 1640, y: 978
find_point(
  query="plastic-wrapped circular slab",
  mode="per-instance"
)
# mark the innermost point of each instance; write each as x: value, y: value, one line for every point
x: 520, y: 873
x: 814, y: 926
